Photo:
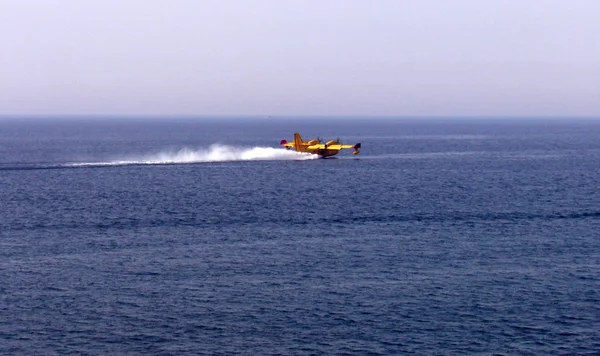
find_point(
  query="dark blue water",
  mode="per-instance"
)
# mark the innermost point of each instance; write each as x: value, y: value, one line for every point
x: 442, y: 237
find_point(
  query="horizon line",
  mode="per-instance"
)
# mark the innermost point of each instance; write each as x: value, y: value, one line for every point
x: 287, y: 116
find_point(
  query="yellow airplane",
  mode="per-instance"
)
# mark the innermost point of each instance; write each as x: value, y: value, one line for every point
x: 330, y: 148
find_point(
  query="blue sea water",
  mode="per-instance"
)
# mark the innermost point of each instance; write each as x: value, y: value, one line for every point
x: 201, y: 236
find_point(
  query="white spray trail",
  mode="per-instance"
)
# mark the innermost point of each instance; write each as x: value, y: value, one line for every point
x: 215, y: 153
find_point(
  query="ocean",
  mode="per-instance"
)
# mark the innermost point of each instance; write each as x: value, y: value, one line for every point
x: 190, y: 236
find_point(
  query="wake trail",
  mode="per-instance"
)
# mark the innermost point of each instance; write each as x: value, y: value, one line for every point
x: 215, y: 153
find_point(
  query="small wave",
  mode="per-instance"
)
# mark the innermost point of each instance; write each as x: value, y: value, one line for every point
x: 215, y: 153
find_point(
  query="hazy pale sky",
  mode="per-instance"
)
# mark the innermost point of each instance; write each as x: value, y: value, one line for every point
x: 300, y: 57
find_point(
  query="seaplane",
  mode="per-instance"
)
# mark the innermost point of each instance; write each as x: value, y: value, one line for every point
x: 327, y: 149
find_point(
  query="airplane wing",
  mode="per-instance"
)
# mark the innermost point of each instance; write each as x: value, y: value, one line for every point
x: 322, y: 146
x: 339, y: 147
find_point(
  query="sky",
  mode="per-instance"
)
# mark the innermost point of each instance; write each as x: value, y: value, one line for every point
x: 300, y: 57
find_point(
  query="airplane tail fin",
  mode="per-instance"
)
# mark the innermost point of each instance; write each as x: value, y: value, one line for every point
x: 298, y: 142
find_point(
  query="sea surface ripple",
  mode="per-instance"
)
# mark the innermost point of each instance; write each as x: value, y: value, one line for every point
x: 442, y: 237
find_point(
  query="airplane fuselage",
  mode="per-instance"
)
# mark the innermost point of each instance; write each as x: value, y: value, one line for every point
x: 328, y: 149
